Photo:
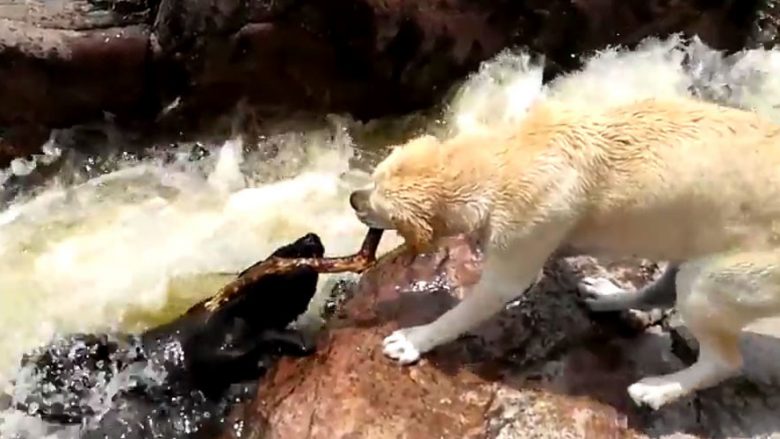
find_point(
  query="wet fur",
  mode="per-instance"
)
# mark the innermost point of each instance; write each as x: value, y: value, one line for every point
x: 209, y: 360
x: 681, y: 180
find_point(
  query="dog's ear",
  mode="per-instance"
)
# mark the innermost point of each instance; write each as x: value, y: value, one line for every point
x: 416, y: 228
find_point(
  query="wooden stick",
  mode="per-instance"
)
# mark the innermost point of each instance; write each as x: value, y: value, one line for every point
x: 358, y: 262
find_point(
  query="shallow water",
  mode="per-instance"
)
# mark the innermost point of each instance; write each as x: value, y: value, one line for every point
x: 137, y: 245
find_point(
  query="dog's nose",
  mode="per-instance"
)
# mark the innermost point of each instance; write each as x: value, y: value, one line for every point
x: 358, y: 199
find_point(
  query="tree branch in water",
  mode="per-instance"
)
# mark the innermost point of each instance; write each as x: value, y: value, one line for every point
x: 358, y: 262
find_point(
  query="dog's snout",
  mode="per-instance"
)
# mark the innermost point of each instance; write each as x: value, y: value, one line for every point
x: 357, y: 199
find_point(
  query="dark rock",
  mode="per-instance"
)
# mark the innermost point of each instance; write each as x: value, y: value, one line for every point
x: 20, y: 141
x: 60, y: 76
x: 542, y: 368
x: 176, y: 65
x: 177, y: 380
x: 765, y: 29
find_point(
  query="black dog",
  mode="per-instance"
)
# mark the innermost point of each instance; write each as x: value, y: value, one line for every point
x: 177, y: 380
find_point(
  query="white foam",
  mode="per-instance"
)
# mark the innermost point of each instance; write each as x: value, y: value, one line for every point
x: 100, y: 254
x: 505, y: 87
x: 119, y: 249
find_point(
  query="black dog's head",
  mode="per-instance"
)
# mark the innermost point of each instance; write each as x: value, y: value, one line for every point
x: 230, y: 346
x: 253, y: 324
x: 307, y: 246
x: 275, y: 300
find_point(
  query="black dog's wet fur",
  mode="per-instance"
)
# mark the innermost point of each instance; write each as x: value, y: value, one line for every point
x: 202, y: 352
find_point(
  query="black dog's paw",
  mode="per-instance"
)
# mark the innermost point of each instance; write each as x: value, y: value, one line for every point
x: 288, y: 342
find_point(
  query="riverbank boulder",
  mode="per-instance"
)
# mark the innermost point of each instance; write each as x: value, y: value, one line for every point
x: 543, y: 368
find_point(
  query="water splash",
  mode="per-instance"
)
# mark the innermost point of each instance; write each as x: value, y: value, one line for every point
x: 504, y: 88
x: 499, y: 93
x: 135, y: 245
x: 117, y: 251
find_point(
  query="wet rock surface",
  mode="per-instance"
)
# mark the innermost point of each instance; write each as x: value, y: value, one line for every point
x: 765, y: 30
x: 543, y: 368
x: 174, y: 65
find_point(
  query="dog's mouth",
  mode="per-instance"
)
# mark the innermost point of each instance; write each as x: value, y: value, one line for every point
x: 367, y: 219
x: 359, y: 200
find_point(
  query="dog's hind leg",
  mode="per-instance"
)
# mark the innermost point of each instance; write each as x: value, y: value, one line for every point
x: 601, y: 294
x: 717, y: 297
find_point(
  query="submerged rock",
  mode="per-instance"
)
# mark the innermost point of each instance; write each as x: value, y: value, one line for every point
x: 177, y: 380
x: 544, y: 367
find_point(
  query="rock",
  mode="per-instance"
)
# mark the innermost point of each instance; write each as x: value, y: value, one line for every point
x: 764, y: 32
x: 349, y: 389
x: 21, y: 141
x: 62, y: 76
x: 542, y: 368
x: 175, y: 66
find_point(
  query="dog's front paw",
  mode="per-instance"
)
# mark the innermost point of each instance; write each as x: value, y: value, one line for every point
x: 655, y: 392
x: 399, y: 347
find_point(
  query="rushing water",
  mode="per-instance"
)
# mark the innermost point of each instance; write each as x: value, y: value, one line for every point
x: 139, y: 243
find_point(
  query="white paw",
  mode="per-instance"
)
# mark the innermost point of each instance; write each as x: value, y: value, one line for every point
x: 398, y: 347
x: 655, y: 392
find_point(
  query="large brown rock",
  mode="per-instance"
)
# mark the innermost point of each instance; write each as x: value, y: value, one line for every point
x: 175, y: 64
x: 542, y: 368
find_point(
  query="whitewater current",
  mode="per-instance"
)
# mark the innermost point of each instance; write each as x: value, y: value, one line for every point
x: 139, y: 243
